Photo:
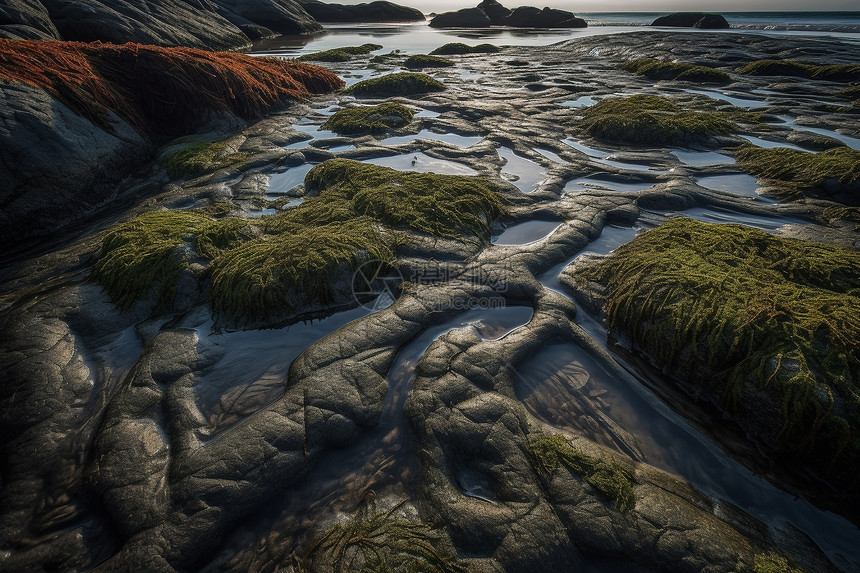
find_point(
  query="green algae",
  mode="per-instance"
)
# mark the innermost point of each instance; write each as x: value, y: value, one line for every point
x: 798, y: 171
x: 369, y: 119
x: 142, y: 254
x: 380, y: 541
x: 423, y: 61
x: 663, y: 70
x: 647, y: 119
x: 459, y: 48
x: 200, y: 158
x: 773, y: 563
x: 343, y: 54
x: 757, y: 319
x: 606, y: 476
x: 441, y: 205
x: 280, y: 263
x: 397, y: 84
x: 831, y: 72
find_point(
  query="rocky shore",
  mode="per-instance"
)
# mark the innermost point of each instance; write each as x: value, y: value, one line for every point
x: 166, y: 407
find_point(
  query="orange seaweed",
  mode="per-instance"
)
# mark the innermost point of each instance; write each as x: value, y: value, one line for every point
x: 161, y: 92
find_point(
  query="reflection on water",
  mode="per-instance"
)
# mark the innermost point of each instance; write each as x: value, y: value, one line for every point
x: 452, y: 138
x: 739, y: 184
x: 590, y: 183
x: 767, y: 144
x: 551, y: 155
x: 422, y: 163
x: 589, y: 151
x: 702, y: 158
x: 524, y: 233
x: 280, y: 183
x: 582, y: 101
x: 735, y: 101
x: 526, y: 174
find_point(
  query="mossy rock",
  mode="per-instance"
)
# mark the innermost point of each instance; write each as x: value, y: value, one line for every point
x: 831, y: 72
x: 833, y: 174
x: 200, y: 158
x: 853, y: 94
x: 607, y: 476
x: 343, y: 54
x: 774, y: 563
x: 369, y: 119
x: 441, y: 205
x: 662, y: 70
x: 399, y: 84
x: 268, y: 268
x: 647, y: 119
x: 376, y: 540
x: 422, y: 61
x: 768, y: 326
x: 459, y: 48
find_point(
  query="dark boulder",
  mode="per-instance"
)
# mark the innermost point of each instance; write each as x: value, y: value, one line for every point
x: 465, y: 18
x: 531, y: 17
x: 497, y: 13
x: 25, y: 19
x: 373, y: 12
x: 692, y: 20
x: 282, y: 16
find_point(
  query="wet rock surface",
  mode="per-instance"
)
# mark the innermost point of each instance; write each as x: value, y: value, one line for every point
x: 134, y: 439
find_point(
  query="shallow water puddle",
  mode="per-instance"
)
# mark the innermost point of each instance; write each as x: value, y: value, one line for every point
x: 339, y: 148
x: 314, y: 131
x: 427, y: 113
x: 611, y: 237
x: 719, y: 215
x: 592, y: 183
x: 528, y: 173
x: 628, y: 165
x: 735, y: 101
x: 452, y: 138
x: 739, y: 184
x: 524, y: 233
x: 589, y: 151
x: 280, y: 183
x: 767, y: 144
x: 583, y: 101
x: 422, y: 163
x: 551, y: 155
x: 252, y: 371
x: 852, y: 142
x: 702, y: 158
x: 261, y: 212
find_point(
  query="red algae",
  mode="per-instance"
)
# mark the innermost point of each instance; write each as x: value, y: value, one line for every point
x: 161, y: 92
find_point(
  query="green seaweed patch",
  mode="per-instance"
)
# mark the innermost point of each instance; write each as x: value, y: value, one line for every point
x: 853, y: 94
x: 607, y: 476
x: 143, y: 254
x: 380, y: 541
x: 831, y: 72
x: 663, y: 70
x: 767, y: 324
x: 441, y: 205
x: 459, y: 48
x: 424, y: 61
x: 369, y: 119
x: 200, y: 158
x: 280, y: 271
x: 773, y: 563
x: 398, y: 84
x: 343, y: 54
x: 281, y: 263
x: 647, y: 119
x: 833, y: 171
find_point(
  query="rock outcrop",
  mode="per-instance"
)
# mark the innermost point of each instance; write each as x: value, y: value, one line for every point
x: 63, y: 149
x: 209, y: 24
x: 25, y: 19
x: 379, y: 11
x: 692, y: 20
x: 465, y: 18
x: 492, y: 13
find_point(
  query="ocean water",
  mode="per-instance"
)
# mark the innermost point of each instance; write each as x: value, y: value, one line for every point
x: 419, y: 37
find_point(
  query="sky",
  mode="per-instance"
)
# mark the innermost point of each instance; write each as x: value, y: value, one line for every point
x: 637, y: 5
